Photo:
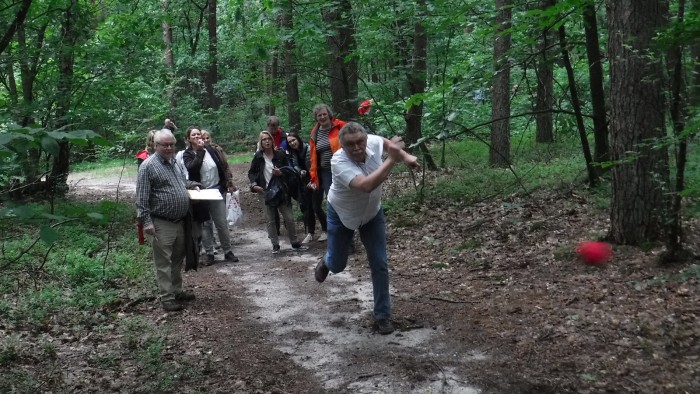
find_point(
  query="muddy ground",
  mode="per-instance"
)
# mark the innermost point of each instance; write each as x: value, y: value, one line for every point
x: 487, y: 298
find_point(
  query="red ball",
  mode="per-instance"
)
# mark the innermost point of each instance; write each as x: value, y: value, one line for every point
x: 594, y: 253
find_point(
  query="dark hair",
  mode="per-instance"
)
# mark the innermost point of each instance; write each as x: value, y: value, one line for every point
x: 295, y: 135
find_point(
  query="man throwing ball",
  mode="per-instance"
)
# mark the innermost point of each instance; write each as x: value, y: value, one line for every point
x: 354, y: 203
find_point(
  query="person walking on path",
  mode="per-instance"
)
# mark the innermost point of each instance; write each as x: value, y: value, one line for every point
x: 354, y: 203
x: 162, y: 206
x: 299, y: 159
x: 206, y: 165
x: 265, y: 175
x: 323, y: 143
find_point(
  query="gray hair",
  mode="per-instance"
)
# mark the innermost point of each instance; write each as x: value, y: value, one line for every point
x: 319, y: 107
x: 351, y: 128
x: 162, y: 133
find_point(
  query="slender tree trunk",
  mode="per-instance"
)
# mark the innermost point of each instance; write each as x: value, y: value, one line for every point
x: 342, y: 66
x: 291, y: 83
x: 16, y: 22
x: 212, y: 76
x: 169, y: 60
x: 57, y: 179
x: 416, y: 85
x: 679, y: 106
x: 640, y: 175
x: 271, y: 87
x: 499, y: 153
x: 545, y: 84
x: 573, y: 91
x: 596, y: 77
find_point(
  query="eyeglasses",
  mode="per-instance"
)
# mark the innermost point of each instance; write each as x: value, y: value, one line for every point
x: 166, y: 145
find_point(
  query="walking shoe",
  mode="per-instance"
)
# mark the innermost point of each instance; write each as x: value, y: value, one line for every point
x: 210, y: 260
x: 384, y: 326
x: 321, y: 271
x: 229, y: 256
x: 185, y: 296
x: 275, y: 249
x: 323, y: 236
x: 309, y: 237
x: 171, y: 306
x: 297, y: 246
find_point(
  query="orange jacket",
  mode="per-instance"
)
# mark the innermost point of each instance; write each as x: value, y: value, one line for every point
x: 333, y: 138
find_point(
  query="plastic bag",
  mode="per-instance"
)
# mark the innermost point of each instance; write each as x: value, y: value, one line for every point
x: 234, y: 213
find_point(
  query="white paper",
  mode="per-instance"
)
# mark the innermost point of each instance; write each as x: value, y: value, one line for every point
x: 206, y: 194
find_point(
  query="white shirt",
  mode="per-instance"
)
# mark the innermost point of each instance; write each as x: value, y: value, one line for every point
x: 355, y: 207
x: 209, y: 173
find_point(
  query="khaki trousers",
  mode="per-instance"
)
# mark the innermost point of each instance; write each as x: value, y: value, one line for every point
x: 168, y: 255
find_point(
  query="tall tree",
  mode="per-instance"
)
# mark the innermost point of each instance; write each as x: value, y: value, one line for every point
x: 341, y: 44
x: 169, y: 58
x: 640, y: 175
x: 291, y: 81
x: 499, y: 153
x: 212, y: 75
x: 545, y: 83
x: 596, y: 77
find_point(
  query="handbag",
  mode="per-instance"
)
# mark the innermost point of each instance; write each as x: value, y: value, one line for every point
x: 234, y: 213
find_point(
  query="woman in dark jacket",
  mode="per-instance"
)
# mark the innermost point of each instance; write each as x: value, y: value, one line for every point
x: 300, y: 159
x: 265, y: 166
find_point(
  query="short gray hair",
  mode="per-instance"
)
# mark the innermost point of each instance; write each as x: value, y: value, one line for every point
x: 319, y: 107
x: 160, y: 134
x: 351, y: 128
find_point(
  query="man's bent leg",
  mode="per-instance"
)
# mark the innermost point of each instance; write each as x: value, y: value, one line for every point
x: 373, y: 235
x: 339, y: 237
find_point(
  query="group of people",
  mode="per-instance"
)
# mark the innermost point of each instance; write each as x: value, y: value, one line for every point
x: 341, y: 163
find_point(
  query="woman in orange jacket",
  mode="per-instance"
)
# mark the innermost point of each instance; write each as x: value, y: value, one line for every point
x: 323, y: 142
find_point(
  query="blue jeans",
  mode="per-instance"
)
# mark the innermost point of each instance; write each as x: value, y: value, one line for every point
x: 373, y: 236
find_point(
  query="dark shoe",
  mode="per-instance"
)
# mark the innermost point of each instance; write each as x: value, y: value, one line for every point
x: 321, y: 271
x: 299, y: 247
x: 185, y: 296
x: 384, y: 326
x: 275, y: 249
x: 210, y: 260
x: 229, y: 256
x: 171, y: 306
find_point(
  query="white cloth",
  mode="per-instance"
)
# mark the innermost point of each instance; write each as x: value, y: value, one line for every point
x: 181, y: 163
x: 209, y: 172
x: 268, y: 168
x: 355, y: 207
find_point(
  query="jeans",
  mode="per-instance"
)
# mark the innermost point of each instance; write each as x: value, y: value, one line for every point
x: 217, y: 210
x: 373, y: 236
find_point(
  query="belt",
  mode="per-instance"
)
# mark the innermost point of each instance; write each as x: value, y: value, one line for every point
x: 175, y: 221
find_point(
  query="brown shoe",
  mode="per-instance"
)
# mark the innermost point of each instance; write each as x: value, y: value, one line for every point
x: 171, y: 306
x: 321, y: 271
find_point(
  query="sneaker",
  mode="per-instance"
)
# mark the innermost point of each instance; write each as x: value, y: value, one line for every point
x: 171, y: 306
x: 298, y: 247
x: 309, y: 237
x: 229, y: 256
x: 185, y: 296
x: 275, y: 249
x: 384, y: 326
x: 323, y: 237
x: 321, y: 271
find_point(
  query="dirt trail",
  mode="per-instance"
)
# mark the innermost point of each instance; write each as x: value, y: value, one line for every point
x: 265, y: 324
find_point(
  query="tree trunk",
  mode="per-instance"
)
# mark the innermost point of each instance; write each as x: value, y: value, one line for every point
x: 545, y: 84
x: 291, y: 83
x: 271, y: 86
x: 57, y: 179
x: 596, y: 79
x: 640, y: 175
x: 499, y: 153
x: 212, y: 76
x: 342, y: 66
x: 169, y: 59
x: 573, y: 91
x: 19, y: 20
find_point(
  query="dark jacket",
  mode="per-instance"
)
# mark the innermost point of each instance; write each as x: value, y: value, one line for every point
x: 193, y: 162
x: 300, y: 160
x: 256, y: 173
